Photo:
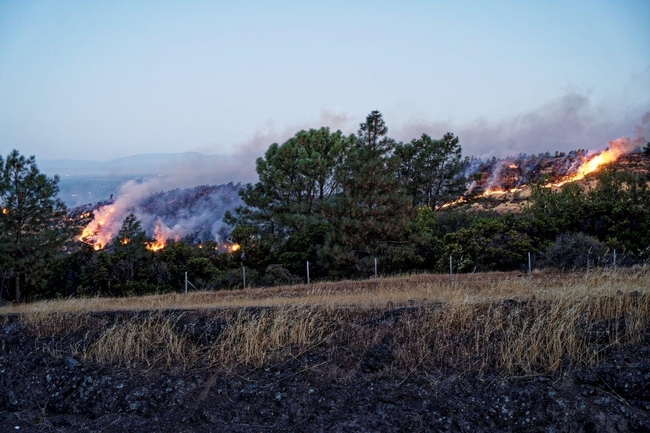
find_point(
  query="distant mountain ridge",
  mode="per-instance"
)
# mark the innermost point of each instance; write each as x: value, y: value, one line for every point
x: 134, y: 165
x: 87, y: 181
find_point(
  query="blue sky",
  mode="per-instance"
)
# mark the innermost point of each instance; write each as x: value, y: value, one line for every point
x: 103, y: 80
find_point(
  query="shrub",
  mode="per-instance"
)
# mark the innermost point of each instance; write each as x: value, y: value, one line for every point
x: 574, y: 250
x: 276, y: 275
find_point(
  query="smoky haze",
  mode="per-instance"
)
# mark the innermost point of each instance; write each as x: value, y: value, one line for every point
x: 572, y: 121
x: 84, y: 182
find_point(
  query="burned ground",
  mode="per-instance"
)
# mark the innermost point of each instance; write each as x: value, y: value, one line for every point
x: 48, y: 382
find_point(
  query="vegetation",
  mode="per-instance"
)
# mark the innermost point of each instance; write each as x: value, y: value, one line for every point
x: 480, y: 322
x: 32, y: 224
x: 338, y: 202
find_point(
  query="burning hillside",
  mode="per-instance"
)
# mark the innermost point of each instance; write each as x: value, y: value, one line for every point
x: 193, y: 214
x: 505, y: 178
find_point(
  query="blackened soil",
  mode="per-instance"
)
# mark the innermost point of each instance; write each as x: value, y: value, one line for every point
x: 45, y: 389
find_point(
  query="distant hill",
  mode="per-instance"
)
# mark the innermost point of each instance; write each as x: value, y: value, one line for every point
x: 85, y: 181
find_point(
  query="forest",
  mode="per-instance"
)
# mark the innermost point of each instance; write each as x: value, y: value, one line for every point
x: 338, y: 202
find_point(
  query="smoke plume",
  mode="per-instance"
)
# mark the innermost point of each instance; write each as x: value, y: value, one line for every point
x: 572, y: 121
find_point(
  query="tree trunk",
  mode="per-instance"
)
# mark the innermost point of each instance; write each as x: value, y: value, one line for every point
x: 17, y: 288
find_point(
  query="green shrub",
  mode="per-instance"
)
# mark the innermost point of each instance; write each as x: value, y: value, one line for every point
x: 573, y: 251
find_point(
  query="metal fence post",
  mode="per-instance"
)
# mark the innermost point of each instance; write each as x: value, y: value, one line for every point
x: 451, y: 271
x: 375, y: 269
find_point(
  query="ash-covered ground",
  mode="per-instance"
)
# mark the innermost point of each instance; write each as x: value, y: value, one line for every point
x: 44, y: 388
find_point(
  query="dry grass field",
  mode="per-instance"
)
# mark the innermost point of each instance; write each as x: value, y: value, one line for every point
x: 496, y: 320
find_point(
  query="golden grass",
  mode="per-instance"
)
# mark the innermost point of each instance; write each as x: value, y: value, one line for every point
x: 480, y: 321
x: 151, y: 342
x: 466, y: 288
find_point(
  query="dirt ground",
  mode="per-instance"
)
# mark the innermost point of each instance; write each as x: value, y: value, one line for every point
x: 43, y: 389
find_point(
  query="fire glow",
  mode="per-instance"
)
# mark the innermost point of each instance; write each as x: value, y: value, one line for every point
x: 160, y: 235
x: 97, y: 233
x: 591, y: 166
x: 501, y: 191
x: 617, y: 148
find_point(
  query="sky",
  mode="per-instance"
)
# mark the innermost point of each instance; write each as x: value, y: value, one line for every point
x: 104, y: 80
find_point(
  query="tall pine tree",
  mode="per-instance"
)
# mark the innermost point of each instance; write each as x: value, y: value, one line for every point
x: 371, y: 214
x: 32, y: 225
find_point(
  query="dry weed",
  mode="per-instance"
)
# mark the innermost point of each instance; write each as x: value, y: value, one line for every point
x: 481, y: 321
x: 143, y: 344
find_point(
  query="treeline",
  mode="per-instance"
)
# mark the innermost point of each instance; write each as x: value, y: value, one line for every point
x: 338, y: 202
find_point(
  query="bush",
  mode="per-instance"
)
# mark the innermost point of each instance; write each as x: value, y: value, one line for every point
x: 276, y: 275
x: 573, y: 251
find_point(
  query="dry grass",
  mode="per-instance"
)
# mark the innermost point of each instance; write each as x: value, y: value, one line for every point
x: 269, y: 336
x: 152, y: 342
x: 467, y: 288
x: 481, y: 321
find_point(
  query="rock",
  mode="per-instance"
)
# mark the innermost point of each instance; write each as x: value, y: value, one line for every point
x: 71, y: 363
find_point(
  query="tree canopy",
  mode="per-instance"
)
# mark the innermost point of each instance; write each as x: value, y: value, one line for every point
x: 31, y: 220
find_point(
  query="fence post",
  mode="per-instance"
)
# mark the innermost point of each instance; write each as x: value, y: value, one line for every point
x: 451, y: 271
x: 375, y: 269
x: 307, y: 272
x: 243, y: 271
x: 530, y: 274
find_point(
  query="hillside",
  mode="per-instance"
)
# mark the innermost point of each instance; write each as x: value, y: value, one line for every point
x: 190, y: 214
x: 505, y: 185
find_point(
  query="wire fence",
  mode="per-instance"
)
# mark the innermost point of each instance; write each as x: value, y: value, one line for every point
x: 586, y: 261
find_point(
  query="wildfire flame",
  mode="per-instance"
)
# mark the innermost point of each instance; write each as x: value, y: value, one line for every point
x: 616, y: 149
x: 234, y: 247
x: 497, y: 191
x: 5, y: 211
x: 453, y: 203
x: 96, y: 233
x: 160, y: 236
x: 155, y: 245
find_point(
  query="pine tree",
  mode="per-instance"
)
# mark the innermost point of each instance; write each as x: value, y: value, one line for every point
x: 31, y: 221
x: 371, y: 214
x: 431, y: 171
x: 296, y: 179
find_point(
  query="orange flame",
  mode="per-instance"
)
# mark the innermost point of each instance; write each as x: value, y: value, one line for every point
x: 156, y: 245
x: 160, y: 232
x: 95, y: 233
x: 604, y: 157
x: 234, y: 247
x: 5, y: 211
x: 496, y: 191
x: 453, y: 203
